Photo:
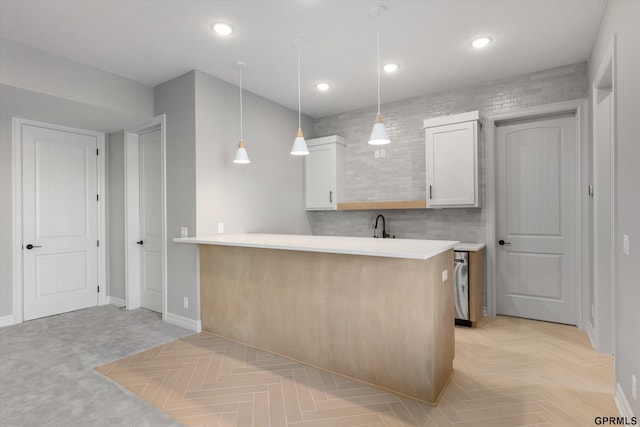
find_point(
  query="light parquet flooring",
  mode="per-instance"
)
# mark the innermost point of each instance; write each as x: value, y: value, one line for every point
x: 508, y: 372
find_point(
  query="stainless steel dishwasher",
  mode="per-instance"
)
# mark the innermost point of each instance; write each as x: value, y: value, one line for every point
x: 461, y: 287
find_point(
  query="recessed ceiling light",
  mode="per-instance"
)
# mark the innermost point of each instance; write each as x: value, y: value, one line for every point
x: 222, y: 29
x: 390, y: 68
x: 323, y: 87
x: 481, y: 42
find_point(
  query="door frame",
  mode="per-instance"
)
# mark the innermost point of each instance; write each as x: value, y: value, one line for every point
x: 602, y: 331
x: 580, y: 107
x: 17, y: 243
x: 132, y: 211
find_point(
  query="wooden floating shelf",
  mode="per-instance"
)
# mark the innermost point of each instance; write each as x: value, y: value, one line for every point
x: 363, y: 206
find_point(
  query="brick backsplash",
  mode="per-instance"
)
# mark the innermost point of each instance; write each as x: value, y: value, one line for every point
x: 400, y: 175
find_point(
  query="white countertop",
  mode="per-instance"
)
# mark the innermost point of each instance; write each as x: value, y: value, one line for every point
x: 469, y: 247
x: 393, y: 248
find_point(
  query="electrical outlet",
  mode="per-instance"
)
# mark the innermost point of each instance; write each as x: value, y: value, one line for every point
x: 376, y: 154
x: 382, y: 153
x: 625, y: 244
x: 184, y: 231
x: 445, y: 275
x: 185, y: 302
x: 220, y: 227
x: 634, y: 387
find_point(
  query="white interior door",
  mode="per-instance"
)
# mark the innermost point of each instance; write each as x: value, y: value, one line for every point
x: 536, y: 175
x: 60, y: 221
x: 149, y: 146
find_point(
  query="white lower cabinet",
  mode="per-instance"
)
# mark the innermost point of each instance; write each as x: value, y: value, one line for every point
x: 323, y: 173
x: 452, y: 161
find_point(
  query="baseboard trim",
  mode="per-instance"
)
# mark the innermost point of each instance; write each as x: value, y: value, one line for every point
x: 183, y: 322
x: 118, y: 302
x: 591, y: 333
x: 622, y: 403
x: 7, y: 320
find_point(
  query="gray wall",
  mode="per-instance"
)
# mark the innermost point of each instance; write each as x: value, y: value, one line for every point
x: 115, y: 215
x: 41, y: 72
x: 621, y: 18
x: 204, y: 187
x: 176, y: 99
x: 6, y: 228
x: 401, y: 174
x: 263, y: 196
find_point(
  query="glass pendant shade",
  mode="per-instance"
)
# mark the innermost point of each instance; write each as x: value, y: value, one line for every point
x: 242, y: 157
x: 299, y: 147
x: 379, y: 133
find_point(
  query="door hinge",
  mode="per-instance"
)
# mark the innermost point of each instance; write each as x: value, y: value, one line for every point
x: 98, y: 288
x: 97, y: 151
x: 97, y: 197
x: 98, y: 243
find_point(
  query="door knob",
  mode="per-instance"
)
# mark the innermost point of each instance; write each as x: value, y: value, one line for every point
x: 502, y: 242
x: 140, y: 242
x: 30, y: 246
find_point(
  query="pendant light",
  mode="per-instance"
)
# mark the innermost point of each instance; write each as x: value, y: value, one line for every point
x: 242, y: 157
x: 299, y: 147
x: 379, y: 133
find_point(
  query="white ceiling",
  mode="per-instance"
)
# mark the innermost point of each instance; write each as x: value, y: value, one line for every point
x: 152, y: 41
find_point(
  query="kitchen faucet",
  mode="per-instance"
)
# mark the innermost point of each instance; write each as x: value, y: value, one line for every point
x: 384, y: 227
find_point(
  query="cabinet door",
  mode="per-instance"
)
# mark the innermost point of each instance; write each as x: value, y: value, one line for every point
x: 452, y: 165
x: 320, y: 177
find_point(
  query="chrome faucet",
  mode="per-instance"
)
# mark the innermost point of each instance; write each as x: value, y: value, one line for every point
x: 384, y: 227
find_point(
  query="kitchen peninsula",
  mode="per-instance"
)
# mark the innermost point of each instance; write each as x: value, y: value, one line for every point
x: 377, y: 310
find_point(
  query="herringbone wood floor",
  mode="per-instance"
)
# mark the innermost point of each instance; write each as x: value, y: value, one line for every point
x: 509, y: 372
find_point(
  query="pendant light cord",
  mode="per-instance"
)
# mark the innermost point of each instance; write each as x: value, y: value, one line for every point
x: 240, y: 104
x: 299, y: 102
x: 378, y: 46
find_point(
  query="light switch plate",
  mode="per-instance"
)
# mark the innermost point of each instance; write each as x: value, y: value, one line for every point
x: 625, y: 244
x: 376, y: 154
x: 220, y: 227
x: 445, y: 275
x: 382, y: 153
x: 184, y: 231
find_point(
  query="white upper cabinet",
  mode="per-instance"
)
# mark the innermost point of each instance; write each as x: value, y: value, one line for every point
x: 452, y: 161
x: 323, y: 173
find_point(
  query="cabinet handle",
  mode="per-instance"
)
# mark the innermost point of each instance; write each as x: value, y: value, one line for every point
x: 430, y: 192
x: 330, y: 196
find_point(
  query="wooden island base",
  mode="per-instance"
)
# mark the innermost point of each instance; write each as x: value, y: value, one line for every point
x: 385, y: 321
